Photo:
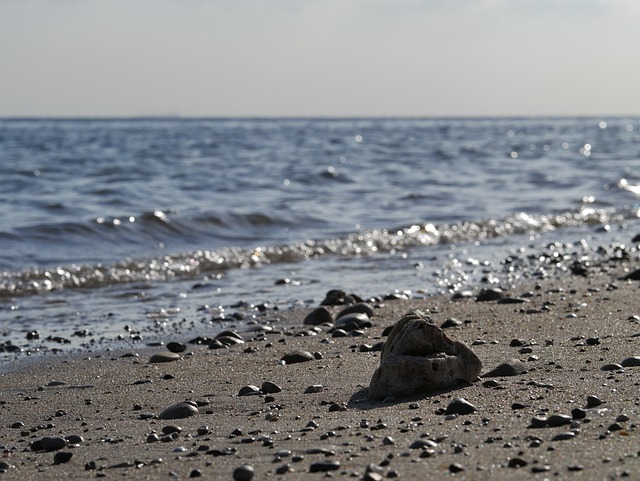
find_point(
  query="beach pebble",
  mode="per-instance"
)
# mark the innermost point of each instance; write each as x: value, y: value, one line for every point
x: 249, y: 391
x: 593, y: 401
x: 490, y: 294
x: 361, y: 307
x: 179, y: 411
x: 456, y: 468
x: 460, y: 406
x: 559, y: 420
x: 335, y: 297
x: 164, y: 357
x: 423, y: 444
x: 62, y: 457
x: 538, y: 422
x: 297, y: 356
x: 449, y: 323
x: 612, y: 367
x: 510, y: 367
x: 269, y: 387
x: 51, y: 443
x: 517, y: 463
x: 564, y: 436
x: 243, y: 473
x: 316, y: 388
x: 633, y: 361
x: 324, y: 466
x: 318, y: 316
x: 176, y: 347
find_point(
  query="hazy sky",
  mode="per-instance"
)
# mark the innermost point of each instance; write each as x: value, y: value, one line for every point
x: 319, y: 57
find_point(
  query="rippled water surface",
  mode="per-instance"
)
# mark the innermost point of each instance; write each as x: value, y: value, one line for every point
x: 144, y: 223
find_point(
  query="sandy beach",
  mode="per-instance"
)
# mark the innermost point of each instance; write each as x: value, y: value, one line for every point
x: 97, y: 416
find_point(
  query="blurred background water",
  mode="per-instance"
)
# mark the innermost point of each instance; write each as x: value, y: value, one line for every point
x: 125, y: 225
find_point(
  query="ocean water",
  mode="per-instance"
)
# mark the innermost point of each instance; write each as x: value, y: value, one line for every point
x: 127, y: 229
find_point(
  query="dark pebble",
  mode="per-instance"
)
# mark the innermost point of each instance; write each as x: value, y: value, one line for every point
x: 196, y: 473
x: 456, y: 468
x: 538, y: 422
x: 460, y: 406
x: 633, y: 361
x: 318, y: 316
x: 164, y: 357
x: 297, y: 356
x: 243, y: 473
x: 361, y: 307
x: 593, y: 401
x: 517, y: 463
x: 449, y: 323
x: 564, y: 436
x: 62, y: 457
x: 324, y: 466
x: 52, y: 443
x: 578, y: 413
x: 559, y: 420
x: 249, y: 391
x: 269, y: 387
x: 612, y: 367
x: 176, y: 347
x: 490, y: 294
x: 423, y: 444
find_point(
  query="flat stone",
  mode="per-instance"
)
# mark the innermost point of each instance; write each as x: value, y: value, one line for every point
x: 53, y: 443
x: 510, y: 367
x: 249, y: 391
x: 176, y: 347
x: 490, y: 294
x: 62, y: 457
x: 564, y: 436
x: 297, y: 356
x: 633, y: 361
x: 324, y: 466
x: 593, y: 401
x: 179, y: 411
x: 418, y: 357
x: 164, y: 357
x: 460, y: 406
x: 361, y: 307
x: 612, y: 367
x: 269, y: 387
x: 559, y: 420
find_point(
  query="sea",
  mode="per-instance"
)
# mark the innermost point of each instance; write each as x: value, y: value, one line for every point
x: 122, y: 231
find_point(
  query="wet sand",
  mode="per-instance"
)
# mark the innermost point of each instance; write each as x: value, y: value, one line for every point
x: 569, y: 330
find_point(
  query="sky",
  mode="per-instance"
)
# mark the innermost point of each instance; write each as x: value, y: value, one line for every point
x: 336, y: 58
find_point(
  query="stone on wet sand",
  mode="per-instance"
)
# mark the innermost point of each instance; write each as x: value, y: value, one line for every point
x: 418, y: 357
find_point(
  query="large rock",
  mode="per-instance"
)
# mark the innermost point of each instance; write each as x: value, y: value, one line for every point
x: 418, y: 357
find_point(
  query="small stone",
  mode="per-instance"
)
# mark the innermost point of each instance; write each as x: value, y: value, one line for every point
x: 575, y: 467
x: 284, y: 469
x: 179, y: 411
x: 164, y: 357
x: 423, y: 444
x: 578, y: 413
x: 321, y: 315
x: 593, y: 341
x: 361, y: 307
x: 593, y: 401
x: 456, y: 468
x: 324, y: 466
x: 612, y: 367
x: 243, y: 473
x: 460, y: 406
x: 388, y: 441
x: 633, y: 361
x: 564, y: 436
x: 449, y: 323
x: 269, y: 387
x: 297, y: 356
x: 153, y: 438
x: 196, y: 473
x: 62, y: 457
x: 249, y: 391
x: 622, y: 418
x: 541, y: 469
x: 176, y: 347
x: 510, y: 367
x: 490, y: 294
x: 538, y: 422
x: 53, y: 443
x: 316, y: 388
x: 517, y: 463
x: 559, y: 420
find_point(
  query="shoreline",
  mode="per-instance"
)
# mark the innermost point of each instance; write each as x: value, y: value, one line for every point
x: 569, y: 328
